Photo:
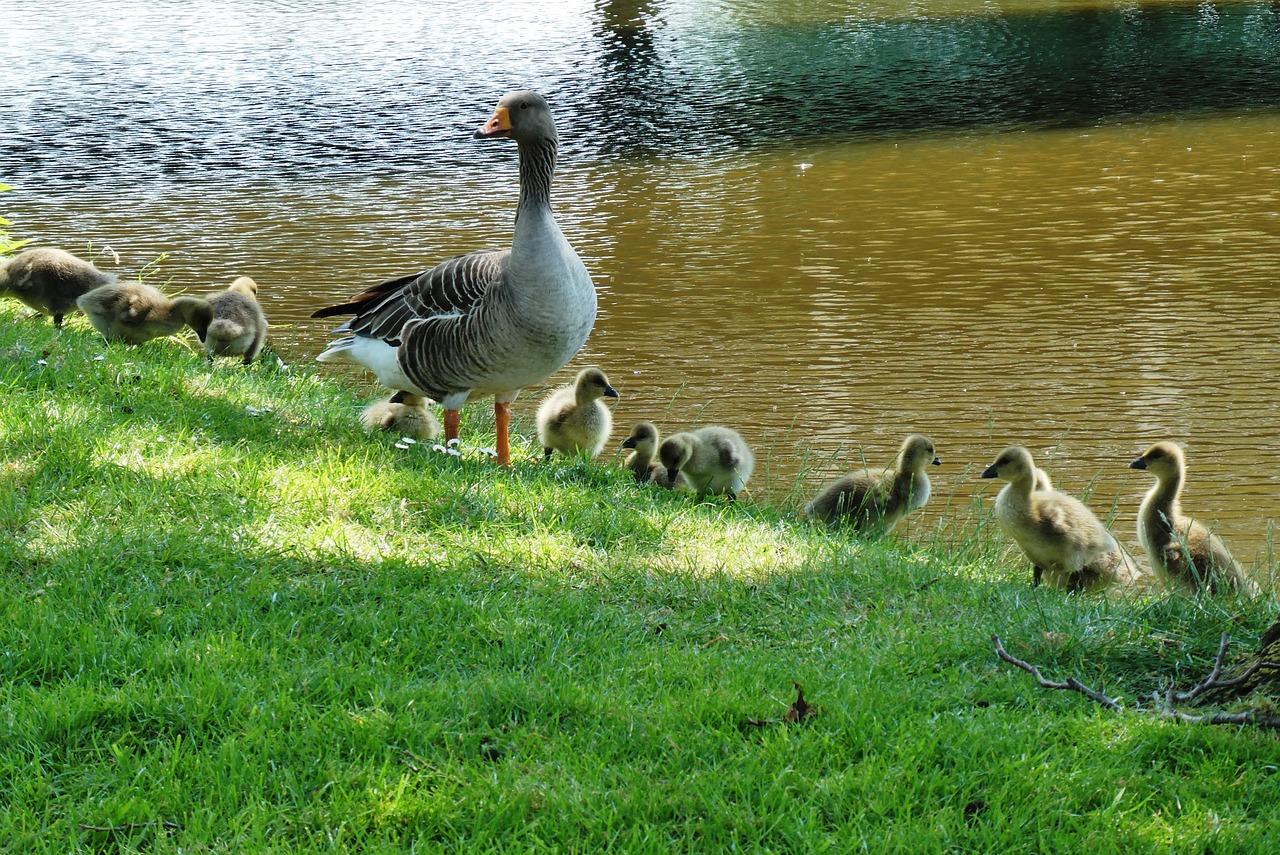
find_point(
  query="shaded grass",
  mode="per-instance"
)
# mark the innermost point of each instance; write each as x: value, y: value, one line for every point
x: 226, y: 607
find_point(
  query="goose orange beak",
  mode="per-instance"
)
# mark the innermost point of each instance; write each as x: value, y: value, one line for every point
x: 498, y: 126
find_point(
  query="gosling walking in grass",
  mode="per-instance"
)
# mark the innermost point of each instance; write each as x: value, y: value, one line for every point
x: 403, y: 414
x: 574, y: 419
x: 715, y: 459
x: 643, y: 441
x: 238, y: 327
x: 1183, y: 552
x: 1068, y: 546
x: 135, y: 312
x: 49, y: 280
x: 878, y: 501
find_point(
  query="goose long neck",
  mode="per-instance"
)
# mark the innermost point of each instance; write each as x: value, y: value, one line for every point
x: 537, y: 165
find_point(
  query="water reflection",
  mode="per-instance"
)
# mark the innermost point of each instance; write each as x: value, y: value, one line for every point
x: 827, y: 229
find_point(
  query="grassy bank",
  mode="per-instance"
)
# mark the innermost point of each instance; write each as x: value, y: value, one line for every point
x: 228, y: 610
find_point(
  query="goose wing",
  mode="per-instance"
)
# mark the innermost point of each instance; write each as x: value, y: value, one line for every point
x: 453, y: 287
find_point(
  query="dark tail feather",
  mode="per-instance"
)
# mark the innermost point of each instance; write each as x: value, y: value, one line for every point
x: 377, y: 292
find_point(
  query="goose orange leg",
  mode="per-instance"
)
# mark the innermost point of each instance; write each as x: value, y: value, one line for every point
x: 502, y: 422
x: 451, y: 418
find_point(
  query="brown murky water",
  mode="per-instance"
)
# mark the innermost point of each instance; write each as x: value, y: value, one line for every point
x: 1082, y: 283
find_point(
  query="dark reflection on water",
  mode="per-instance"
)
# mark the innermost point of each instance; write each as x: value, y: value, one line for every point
x: 1083, y: 291
x: 288, y: 92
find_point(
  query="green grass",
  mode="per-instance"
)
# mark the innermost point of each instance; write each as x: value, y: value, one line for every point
x: 227, y: 608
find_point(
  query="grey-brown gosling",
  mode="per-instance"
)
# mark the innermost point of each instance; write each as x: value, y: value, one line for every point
x: 135, y: 312
x: 573, y: 419
x: 49, y: 280
x: 1182, y: 551
x: 403, y: 414
x: 239, y: 326
x: 644, y: 443
x: 1061, y: 536
x: 878, y: 501
x: 715, y: 459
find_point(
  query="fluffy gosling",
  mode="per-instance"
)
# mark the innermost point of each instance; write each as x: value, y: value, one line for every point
x: 49, y: 280
x: 134, y: 312
x: 715, y: 459
x: 1067, y: 544
x: 643, y: 441
x: 404, y: 414
x: 878, y: 501
x: 573, y: 420
x: 1182, y: 551
x: 239, y: 327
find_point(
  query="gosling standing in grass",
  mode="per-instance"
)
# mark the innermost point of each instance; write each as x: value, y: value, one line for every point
x: 49, y: 280
x: 239, y: 326
x: 878, y: 501
x: 644, y: 444
x: 1182, y: 551
x: 403, y: 414
x: 134, y: 312
x: 715, y: 459
x: 574, y: 420
x: 1061, y: 536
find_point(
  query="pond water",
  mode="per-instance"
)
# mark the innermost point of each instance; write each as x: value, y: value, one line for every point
x: 826, y: 224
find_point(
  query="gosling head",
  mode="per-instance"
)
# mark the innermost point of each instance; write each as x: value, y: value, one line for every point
x: 1013, y: 464
x: 244, y: 285
x: 1161, y: 460
x: 592, y: 384
x: 674, y: 453
x: 196, y: 312
x: 917, y: 453
x: 643, y: 435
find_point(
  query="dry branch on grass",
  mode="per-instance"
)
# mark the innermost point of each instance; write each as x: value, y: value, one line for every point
x: 1165, y: 704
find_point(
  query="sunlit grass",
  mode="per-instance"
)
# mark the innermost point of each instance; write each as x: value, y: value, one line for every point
x: 226, y: 608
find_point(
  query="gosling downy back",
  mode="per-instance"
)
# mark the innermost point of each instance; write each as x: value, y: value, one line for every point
x: 135, y: 312
x: 715, y: 459
x: 49, y: 280
x: 1065, y: 541
x: 574, y: 420
x: 643, y: 441
x: 403, y: 414
x: 1182, y: 551
x: 878, y: 501
x: 238, y: 326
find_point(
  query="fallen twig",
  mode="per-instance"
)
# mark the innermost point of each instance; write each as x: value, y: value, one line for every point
x: 1165, y: 704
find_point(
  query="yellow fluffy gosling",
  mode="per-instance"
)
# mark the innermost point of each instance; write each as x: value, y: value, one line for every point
x: 403, y: 414
x: 644, y: 443
x: 573, y: 420
x: 715, y: 459
x: 49, y: 280
x: 135, y: 312
x: 878, y: 501
x: 239, y: 327
x: 1182, y: 551
x: 1066, y: 543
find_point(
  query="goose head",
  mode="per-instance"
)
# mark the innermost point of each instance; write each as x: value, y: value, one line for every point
x: 521, y: 116
x: 918, y: 453
x: 643, y: 437
x: 1162, y: 460
x: 1014, y: 464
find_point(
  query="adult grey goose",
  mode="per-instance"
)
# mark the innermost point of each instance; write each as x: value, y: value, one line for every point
x: 489, y: 322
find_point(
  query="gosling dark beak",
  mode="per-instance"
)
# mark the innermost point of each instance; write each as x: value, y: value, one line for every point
x: 629, y: 442
x: 1140, y: 463
x: 989, y: 472
x: 937, y: 461
x: 610, y: 392
x: 672, y: 475
x: 397, y: 398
